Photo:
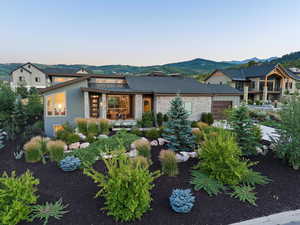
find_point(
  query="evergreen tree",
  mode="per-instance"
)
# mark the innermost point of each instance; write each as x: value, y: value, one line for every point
x: 178, y: 129
x: 247, y: 133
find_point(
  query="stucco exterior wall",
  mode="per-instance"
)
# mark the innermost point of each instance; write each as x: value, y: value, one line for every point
x: 234, y: 99
x: 219, y: 78
x: 74, y: 103
x: 30, y: 78
x: 200, y: 104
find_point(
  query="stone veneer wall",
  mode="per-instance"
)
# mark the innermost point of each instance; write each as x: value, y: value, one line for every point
x: 200, y: 104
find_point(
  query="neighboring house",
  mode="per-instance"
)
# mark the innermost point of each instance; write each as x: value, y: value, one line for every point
x: 30, y: 75
x: 261, y: 82
x: 117, y: 97
x: 4, y: 79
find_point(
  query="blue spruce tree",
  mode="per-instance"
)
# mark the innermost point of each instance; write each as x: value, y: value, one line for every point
x: 178, y: 129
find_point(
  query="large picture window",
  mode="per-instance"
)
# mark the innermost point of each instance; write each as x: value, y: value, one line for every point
x: 119, y: 107
x: 188, y: 107
x: 56, y: 104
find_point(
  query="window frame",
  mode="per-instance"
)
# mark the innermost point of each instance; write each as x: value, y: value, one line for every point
x: 46, y: 105
x: 37, y: 80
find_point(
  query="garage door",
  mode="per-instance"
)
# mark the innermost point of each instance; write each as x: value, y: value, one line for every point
x: 218, y: 108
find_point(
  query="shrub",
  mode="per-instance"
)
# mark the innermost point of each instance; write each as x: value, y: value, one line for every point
x: 220, y: 158
x: 126, y: 188
x: 140, y: 161
x: 202, y: 125
x: 147, y: 119
x: 194, y: 124
x: 210, y: 118
x: 182, y: 201
x: 17, y: 196
x: 204, y: 118
x: 91, y: 138
x: 104, y: 126
x: 243, y: 126
x: 178, y: 129
x: 244, y: 194
x: 136, y: 131
x: 93, y: 128
x: 166, y: 118
x: 56, y: 150
x: 35, y: 149
x: 168, y: 162
x: 199, y: 135
x: 152, y: 134
x: 287, y: 145
x: 82, y: 125
x: 143, y: 148
x: 160, y: 119
x: 45, y: 212
x: 70, y: 163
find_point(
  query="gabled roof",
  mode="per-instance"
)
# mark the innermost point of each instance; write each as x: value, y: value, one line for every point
x: 54, y: 70
x: 261, y: 70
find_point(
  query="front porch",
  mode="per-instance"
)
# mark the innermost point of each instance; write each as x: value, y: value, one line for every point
x: 117, y: 107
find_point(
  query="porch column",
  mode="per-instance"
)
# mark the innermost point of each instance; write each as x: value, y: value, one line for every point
x: 246, y: 94
x: 138, y: 107
x: 265, y: 94
x: 257, y: 84
x: 86, y: 105
x: 282, y: 86
x: 103, y: 106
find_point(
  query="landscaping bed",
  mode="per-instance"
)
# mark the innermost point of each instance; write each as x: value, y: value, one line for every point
x: 78, y: 191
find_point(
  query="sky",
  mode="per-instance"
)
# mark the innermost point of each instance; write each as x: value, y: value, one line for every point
x: 144, y: 32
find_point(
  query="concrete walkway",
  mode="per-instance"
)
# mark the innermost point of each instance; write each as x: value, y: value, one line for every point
x: 284, y: 218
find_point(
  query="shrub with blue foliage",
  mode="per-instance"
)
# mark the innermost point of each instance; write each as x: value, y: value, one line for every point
x: 70, y: 163
x: 182, y: 200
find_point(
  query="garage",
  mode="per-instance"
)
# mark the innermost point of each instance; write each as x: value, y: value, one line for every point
x: 218, y: 108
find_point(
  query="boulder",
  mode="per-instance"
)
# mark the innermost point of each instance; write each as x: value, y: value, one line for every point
x: 66, y: 148
x: 132, y: 146
x: 182, y: 156
x: 193, y: 154
x: 145, y: 139
x: 132, y: 153
x: 84, y: 145
x: 162, y: 141
x: 82, y: 136
x: 106, y: 156
x: 102, y: 136
x: 75, y: 145
x: 154, y: 143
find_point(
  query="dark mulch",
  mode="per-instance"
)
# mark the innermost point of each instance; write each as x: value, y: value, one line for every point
x: 78, y: 191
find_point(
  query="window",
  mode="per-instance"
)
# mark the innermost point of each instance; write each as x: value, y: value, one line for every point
x: 239, y: 85
x: 29, y: 66
x: 291, y: 85
x: 221, y: 82
x: 37, y: 79
x: 56, y: 104
x: 21, y: 70
x: 252, y: 84
x: 62, y: 79
x: 57, y: 128
x: 21, y: 78
x: 188, y: 107
x: 119, y: 107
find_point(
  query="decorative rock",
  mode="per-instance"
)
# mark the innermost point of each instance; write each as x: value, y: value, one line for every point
x: 193, y: 154
x: 84, y: 145
x: 75, y: 145
x: 154, y: 143
x: 162, y: 141
x: 82, y: 136
x: 195, y: 129
x: 106, y: 156
x: 66, y: 148
x: 272, y: 146
x: 132, y: 146
x: 102, y: 136
x: 145, y: 139
x: 182, y: 156
x: 265, y: 147
x: 132, y: 153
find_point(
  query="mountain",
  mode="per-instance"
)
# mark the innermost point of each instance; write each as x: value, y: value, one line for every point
x: 255, y: 59
x: 191, y: 67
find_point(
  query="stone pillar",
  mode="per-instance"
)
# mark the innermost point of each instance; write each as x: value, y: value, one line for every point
x: 257, y: 84
x: 265, y: 94
x: 138, y: 107
x: 246, y: 94
x: 103, y: 106
x: 86, y: 105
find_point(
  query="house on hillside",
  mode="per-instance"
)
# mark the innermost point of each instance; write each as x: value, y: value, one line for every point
x: 261, y: 82
x: 30, y: 75
x: 126, y: 98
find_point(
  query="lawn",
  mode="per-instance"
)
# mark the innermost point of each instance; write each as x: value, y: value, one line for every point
x: 78, y: 191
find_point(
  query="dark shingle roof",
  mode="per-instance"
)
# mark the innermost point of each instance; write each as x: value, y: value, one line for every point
x: 173, y: 85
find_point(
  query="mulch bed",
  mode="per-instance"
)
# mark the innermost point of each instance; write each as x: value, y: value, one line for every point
x: 78, y: 191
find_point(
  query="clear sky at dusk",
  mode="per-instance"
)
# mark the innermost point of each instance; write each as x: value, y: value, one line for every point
x: 143, y: 32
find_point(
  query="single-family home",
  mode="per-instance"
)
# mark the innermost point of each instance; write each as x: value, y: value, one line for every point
x: 30, y: 75
x: 260, y: 82
x: 126, y: 98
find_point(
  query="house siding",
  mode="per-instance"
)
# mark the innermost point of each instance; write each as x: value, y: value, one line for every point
x: 75, y: 107
x: 200, y: 104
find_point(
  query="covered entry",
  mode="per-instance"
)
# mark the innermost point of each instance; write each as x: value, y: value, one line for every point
x: 218, y: 108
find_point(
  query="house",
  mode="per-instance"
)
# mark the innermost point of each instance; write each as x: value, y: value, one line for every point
x: 126, y: 98
x: 30, y: 75
x: 260, y: 82
x: 4, y: 79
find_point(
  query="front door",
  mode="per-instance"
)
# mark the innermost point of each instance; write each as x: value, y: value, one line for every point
x: 94, y: 105
x: 147, y: 103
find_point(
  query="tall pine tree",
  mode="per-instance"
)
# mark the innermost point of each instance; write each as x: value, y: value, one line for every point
x: 178, y: 129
